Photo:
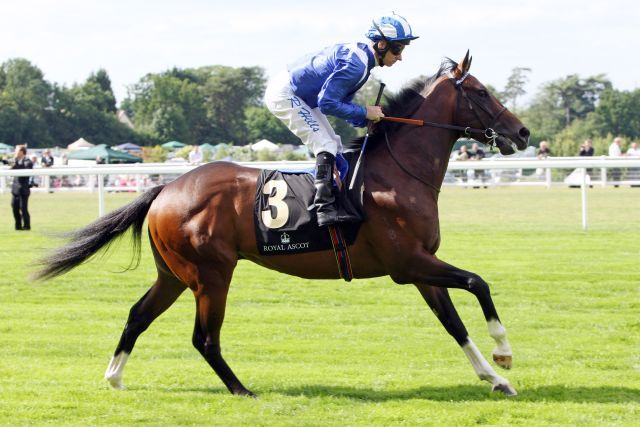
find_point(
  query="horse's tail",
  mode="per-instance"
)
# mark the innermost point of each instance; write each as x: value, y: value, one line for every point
x: 86, y: 241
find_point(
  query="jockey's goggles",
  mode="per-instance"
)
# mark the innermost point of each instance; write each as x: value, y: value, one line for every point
x: 396, y: 48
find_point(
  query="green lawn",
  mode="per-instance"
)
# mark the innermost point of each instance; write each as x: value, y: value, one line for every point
x: 330, y: 353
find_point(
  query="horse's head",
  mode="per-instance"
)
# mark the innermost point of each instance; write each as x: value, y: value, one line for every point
x: 477, y: 108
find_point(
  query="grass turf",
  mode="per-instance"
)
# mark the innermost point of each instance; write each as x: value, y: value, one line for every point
x: 330, y: 353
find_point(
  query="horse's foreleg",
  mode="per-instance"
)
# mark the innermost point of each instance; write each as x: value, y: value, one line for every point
x: 211, y: 300
x: 157, y: 299
x: 440, y: 303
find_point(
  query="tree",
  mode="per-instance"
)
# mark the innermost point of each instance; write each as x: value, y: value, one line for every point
x: 560, y: 102
x: 228, y: 92
x: 515, y: 86
x: 617, y: 113
x: 169, y: 106
x: 23, y: 99
x: 576, y: 96
x: 261, y: 123
x: 102, y: 83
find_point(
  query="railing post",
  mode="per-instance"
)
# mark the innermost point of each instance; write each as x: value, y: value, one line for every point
x: 548, y: 177
x: 100, y: 195
x: 603, y: 177
x: 583, y: 188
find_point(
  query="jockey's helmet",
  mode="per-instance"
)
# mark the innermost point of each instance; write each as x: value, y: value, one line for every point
x: 391, y: 28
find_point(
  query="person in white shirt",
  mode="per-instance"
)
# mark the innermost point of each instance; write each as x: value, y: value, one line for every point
x: 614, y: 148
x: 633, y: 150
x: 195, y: 155
x: 615, y: 151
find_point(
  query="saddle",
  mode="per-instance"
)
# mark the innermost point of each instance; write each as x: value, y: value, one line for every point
x: 284, y: 214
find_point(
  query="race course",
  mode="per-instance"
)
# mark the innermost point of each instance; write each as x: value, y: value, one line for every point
x: 365, y: 353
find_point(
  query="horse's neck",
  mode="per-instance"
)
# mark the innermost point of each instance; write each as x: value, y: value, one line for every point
x: 424, y: 151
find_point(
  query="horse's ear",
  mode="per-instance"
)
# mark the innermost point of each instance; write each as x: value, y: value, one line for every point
x: 463, y: 67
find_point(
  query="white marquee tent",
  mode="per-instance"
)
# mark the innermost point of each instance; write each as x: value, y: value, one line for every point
x: 264, y: 144
x: 80, y: 144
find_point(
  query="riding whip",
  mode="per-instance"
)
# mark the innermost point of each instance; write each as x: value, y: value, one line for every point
x: 366, y: 137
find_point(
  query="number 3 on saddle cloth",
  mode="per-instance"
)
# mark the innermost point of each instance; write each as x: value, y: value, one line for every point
x: 285, y: 217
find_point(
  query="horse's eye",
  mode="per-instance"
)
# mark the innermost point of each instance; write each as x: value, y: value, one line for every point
x: 483, y: 93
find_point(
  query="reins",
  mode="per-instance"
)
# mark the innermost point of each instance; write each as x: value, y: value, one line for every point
x: 487, y: 132
x: 408, y: 172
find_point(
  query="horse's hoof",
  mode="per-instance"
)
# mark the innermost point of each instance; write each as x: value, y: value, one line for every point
x: 505, y: 389
x: 115, y: 382
x: 502, y: 361
x: 245, y: 393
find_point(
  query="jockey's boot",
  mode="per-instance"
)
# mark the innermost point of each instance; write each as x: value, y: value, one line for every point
x: 326, y: 204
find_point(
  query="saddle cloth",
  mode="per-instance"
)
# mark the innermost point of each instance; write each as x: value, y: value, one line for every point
x: 285, y: 218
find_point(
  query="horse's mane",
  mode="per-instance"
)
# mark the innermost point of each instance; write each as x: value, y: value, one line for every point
x: 408, y: 99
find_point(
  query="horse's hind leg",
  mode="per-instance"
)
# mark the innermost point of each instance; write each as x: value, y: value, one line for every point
x: 441, y: 304
x: 441, y: 274
x: 157, y: 299
x: 211, y: 299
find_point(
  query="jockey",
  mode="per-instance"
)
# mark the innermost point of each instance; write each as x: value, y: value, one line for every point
x: 324, y: 83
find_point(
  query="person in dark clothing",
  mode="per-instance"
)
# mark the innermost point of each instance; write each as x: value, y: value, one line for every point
x: 20, y: 190
x: 477, y: 153
x: 47, y: 159
x: 46, y: 162
x: 586, y: 149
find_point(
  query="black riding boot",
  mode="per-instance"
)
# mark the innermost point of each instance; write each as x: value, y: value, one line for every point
x: 328, y: 205
x: 324, y: 200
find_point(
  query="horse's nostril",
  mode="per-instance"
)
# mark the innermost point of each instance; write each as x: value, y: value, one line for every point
x: 524, y: 133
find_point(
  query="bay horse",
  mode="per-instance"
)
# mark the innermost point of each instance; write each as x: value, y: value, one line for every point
x: 202, y: 223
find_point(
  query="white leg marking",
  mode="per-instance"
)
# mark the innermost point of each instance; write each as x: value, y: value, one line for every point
x: 480, y: 365
x: 115, y: 369
x: 499, y: 334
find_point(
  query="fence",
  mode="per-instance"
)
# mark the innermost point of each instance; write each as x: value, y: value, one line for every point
x: 585, y: 172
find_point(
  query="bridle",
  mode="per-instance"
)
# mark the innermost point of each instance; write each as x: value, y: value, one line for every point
x: 488, y: 131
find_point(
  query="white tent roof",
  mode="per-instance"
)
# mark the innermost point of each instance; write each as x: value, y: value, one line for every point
x: 264, y: 144
x: 80, y: 144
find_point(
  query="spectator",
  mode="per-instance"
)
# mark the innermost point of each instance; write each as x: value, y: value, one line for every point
x: 633, y: 173
x: 463, y: 153
x: 586, y: 149
x: 195, y: 155
x: 615, y: 150
x: 46, y: 162
x: 633, y: 150
x: 20, y: 190
x: 33, y: 180
x: 543, y: 150
x: 47, y: 159
x: 100, y: 160
x: 477, y: 154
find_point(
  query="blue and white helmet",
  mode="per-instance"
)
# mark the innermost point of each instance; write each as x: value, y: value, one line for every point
x: 392, y: 28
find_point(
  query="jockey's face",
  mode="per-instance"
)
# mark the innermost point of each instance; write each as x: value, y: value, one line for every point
x: 393, y: 54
